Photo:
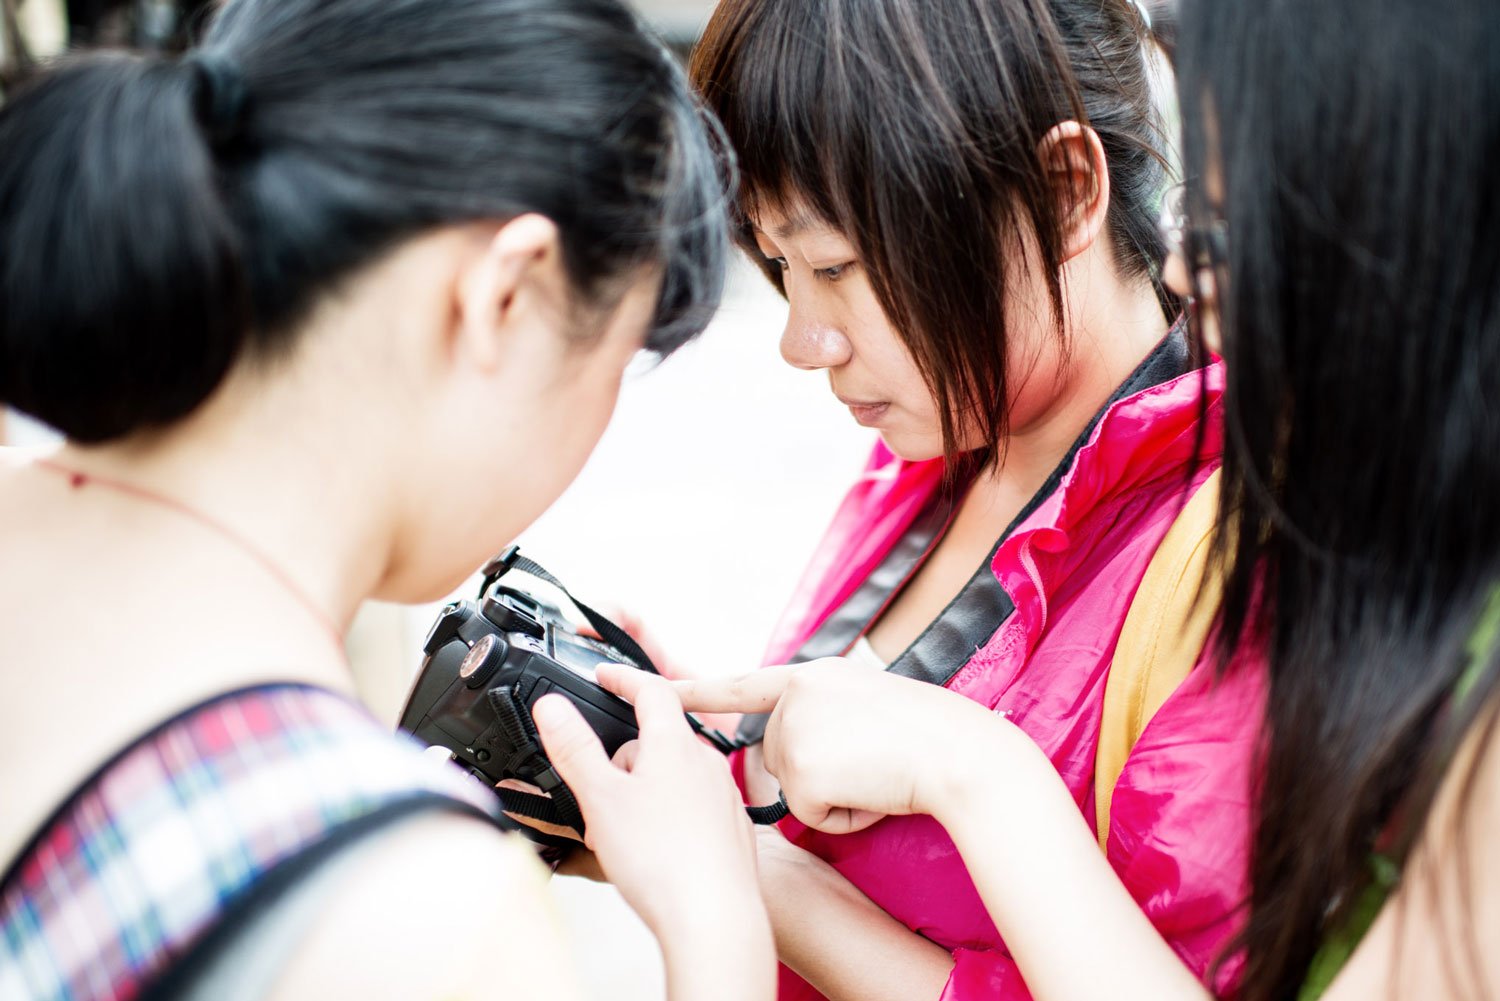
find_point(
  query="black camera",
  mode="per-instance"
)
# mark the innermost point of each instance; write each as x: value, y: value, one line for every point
x: 487, y: 662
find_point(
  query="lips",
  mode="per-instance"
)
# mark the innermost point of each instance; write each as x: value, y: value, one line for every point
x: 866, y: 412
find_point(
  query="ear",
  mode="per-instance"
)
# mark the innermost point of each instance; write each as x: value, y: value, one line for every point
x: 518, y: 275
x: 1074, y: 160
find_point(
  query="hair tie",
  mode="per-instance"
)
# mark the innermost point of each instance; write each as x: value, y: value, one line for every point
x: 221, y: 95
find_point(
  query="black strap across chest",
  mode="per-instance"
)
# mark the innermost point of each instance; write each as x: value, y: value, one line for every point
x: 981, y: 606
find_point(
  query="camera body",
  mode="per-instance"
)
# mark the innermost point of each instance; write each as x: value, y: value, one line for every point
x: 509, y: 647
x: 487, y: 662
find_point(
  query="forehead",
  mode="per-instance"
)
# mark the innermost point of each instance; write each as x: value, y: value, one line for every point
x: 788, y: 219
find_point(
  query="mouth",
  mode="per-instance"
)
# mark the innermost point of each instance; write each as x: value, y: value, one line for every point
x: 866, y: 412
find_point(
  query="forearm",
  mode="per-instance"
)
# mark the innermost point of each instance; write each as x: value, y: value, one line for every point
x: 1073, y: 929
x: 727, y: 955
x: 841, y: 942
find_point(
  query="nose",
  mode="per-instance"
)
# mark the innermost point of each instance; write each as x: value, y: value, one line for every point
x: 810, y: 343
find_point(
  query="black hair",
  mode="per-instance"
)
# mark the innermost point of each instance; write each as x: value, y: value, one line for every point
x: 160, y: 218
x: 914, y: 129
x: 1346, y: 152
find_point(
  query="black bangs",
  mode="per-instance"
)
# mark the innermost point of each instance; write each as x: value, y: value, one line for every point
x: 914, y: 129
x: 763, y: 73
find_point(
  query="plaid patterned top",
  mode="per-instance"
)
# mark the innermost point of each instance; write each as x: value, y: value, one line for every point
x: 152, y: 852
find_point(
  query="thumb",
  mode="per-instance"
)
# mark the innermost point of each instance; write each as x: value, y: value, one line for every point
x: 572, y: 746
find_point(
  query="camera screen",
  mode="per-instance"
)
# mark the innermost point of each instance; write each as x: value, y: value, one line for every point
x: 580, y: 654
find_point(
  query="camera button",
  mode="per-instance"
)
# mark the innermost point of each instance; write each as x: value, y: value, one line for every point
x: 482, y: 660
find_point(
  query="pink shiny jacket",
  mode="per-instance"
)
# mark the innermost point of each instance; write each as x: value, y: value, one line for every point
x: 1179, y: 833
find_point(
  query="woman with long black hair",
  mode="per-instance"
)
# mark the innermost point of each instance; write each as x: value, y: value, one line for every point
x: 1342, y: 241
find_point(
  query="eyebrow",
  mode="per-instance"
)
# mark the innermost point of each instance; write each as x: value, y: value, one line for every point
x: 795, y: 224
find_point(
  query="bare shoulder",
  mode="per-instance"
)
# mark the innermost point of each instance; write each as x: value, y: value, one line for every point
x: 1431, y: 938
x: 441, y: 908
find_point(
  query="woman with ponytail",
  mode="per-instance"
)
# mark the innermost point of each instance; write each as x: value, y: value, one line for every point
x: 329, y: 309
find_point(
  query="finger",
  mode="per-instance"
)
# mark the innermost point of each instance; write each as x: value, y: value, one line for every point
x: 572, y: 747
x: 835, y: 819
x: 770, y: 745
x: 584, y: 863
x: 518, y: 786
x: 621, y: 680
x: 658, y: 711
x: 541, y: 825
x: 756, y: 692
x: 626, y: 756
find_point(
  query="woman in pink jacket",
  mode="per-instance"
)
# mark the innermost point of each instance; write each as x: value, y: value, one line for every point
x: 959, y: 202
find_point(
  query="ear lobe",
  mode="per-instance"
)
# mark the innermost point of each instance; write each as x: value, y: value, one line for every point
x: 1074, y: 160
x: 493, y: 289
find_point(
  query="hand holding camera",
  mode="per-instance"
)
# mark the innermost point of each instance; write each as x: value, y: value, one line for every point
x: 665, y: 811
x: 508, y: 687
x: 490, y: 662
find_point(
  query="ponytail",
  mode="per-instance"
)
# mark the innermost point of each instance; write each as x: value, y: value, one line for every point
x: 122, y: 296
x: 159, y: 220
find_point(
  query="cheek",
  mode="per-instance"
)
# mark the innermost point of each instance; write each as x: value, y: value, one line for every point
x: 569, y: 421
x: 1034, y: 378
x: 588, y: 417
x: 1035, y: 363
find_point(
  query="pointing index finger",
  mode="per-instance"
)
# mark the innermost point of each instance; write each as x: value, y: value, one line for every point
x: 756, y: 692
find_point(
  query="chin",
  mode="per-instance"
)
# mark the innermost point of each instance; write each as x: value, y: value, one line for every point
x: 424, y: 581
x: 409, y: 591
x: 913, y: 448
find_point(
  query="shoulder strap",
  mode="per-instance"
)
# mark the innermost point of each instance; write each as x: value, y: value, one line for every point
x: 174, y: 834
x: 224, y: 942
x: 1161, y: 640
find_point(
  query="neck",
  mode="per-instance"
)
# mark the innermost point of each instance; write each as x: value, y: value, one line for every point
x: 1112, y: 327
x: 274, y: 484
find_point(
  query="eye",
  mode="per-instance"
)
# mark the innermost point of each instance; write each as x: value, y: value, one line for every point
x: 778, y: 262
x: 834, y: 273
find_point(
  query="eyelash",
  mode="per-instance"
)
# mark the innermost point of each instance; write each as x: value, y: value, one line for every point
x: 831, y: 274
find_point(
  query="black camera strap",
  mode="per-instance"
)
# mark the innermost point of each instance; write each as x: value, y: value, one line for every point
x: 511, y: 559
x: 539, y: 807
x: 561, y: 809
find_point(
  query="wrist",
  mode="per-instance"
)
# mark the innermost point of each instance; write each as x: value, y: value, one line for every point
x: 967, y: 779
x: 725, y: 953
x: 706, y: 916
x: 1006, y: 799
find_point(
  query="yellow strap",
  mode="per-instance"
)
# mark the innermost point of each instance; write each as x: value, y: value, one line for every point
x: 1161, y: 640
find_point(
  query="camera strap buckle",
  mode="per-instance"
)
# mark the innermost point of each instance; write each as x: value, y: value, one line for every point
x: 498, y: 566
